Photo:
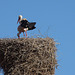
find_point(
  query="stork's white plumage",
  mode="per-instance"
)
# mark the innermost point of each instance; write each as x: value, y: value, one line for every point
x: 19, y: 19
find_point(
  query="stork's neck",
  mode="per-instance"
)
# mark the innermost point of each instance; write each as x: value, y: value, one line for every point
x: 20, y: 18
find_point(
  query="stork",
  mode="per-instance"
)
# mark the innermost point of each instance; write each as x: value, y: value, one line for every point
x: 24, y: 26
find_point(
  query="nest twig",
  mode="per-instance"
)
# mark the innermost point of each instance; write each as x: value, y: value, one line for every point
x: 31, y: 56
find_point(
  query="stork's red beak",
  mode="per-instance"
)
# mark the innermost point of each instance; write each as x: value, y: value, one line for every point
x: 18, y: 20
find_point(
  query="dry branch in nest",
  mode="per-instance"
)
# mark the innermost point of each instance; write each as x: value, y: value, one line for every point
x: 31, y: 56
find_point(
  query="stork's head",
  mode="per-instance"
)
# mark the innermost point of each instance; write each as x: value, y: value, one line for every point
x: 19, y: 18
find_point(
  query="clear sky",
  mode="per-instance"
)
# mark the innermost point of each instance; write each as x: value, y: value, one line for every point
x: 55, y: 18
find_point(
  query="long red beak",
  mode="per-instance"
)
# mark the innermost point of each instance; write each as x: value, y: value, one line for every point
x: 18, y: 20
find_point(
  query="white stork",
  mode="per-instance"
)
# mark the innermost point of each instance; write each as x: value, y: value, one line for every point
x: 24, y: 26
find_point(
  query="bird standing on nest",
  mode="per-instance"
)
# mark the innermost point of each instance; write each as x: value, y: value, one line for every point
x: 24, y: 26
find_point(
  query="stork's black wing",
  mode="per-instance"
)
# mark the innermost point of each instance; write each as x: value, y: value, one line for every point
x: 24, y: 23
x: 31, y: 25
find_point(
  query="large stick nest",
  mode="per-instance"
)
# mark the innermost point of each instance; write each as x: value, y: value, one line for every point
x: 31, y: 56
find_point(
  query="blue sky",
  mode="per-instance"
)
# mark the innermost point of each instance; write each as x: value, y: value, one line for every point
x: 55, y: 18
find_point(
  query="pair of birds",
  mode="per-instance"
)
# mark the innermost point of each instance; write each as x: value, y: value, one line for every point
x: 24, y: 26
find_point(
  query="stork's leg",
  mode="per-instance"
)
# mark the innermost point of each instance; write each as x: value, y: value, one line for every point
x: 23, y: 34
x: 18, y: 34
x: 26, y: 33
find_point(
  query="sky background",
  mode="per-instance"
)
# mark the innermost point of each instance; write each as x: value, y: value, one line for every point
x: 54, y: 18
